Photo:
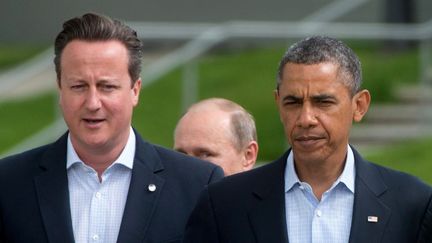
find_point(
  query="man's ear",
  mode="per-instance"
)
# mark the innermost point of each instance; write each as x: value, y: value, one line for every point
x: 136, y: 88
x: 250, y: 154
x: 276, y: 95
x: 361, y: 102
x: 277, y: 99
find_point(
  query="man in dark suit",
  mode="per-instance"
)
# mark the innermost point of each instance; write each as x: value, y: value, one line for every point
x: 320, y: 190
x: 100, y: 182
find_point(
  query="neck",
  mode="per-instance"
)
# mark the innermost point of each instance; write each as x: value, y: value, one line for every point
x: 320, y: 175
x: 99, y: 157
x: 100, y: 160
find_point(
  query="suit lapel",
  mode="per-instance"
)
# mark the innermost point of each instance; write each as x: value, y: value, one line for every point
x: 142, y: 199
x: 367, y: 204
x: 267, y: 215
x: 53, y: 195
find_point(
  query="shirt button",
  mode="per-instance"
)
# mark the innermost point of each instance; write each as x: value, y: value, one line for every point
x: 98, y: 195
x: 95, y: 237
x: 301, y: 187
x: 318, y: 213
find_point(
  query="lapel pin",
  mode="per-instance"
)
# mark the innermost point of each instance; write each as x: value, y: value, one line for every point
x: 372, y: 219
x: 152, y: 187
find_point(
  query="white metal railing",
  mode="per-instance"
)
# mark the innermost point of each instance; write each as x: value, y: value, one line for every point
x: 20, y: 74
x: 289, y: 29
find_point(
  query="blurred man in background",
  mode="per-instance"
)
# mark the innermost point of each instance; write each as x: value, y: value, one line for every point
x: 99, y: 182
x: 220, y: 131
x: 321, y: 189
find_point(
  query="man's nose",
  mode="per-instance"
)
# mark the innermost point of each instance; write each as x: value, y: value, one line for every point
x: 93, y: 101
x: 307, y: 117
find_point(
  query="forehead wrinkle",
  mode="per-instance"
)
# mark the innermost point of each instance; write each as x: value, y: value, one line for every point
x: 322, y: 96
x: 310, y: 88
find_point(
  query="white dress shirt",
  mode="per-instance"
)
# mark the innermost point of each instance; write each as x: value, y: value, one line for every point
x: 97, y: 207
x: 312, y: 221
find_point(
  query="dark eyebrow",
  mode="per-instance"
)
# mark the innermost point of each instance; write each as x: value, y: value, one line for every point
x: 322, y: 97
x: 291, y: 98
x: 104, y: 81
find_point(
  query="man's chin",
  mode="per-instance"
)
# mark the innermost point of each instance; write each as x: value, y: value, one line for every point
x: 95, y: 142
x: 309, y: 155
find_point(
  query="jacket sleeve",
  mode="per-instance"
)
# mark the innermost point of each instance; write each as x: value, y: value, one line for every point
x: 425, y: 235
x: 1, y: 232
x: 202, y: 225
x: 216, y: 175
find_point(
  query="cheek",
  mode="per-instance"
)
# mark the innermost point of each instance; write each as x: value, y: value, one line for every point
x: 288, y: 122
x: 117, y: 105
x: 335, y: 124
x: 225, y: 157
x: 67, y: 104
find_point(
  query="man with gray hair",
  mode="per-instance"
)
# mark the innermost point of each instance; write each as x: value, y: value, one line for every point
x: 321, y: 189
x: 220, y: 131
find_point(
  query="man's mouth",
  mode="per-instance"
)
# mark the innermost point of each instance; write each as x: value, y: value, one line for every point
x: 93, y: 121
x: 308, y: 138
x: 308, y: 141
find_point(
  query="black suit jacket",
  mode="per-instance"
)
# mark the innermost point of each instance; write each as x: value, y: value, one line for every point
x: 34, y: 197
x: 250, y: 207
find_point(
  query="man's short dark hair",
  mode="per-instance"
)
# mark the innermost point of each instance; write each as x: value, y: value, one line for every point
x: 95, y: 27
x: 320, y: 49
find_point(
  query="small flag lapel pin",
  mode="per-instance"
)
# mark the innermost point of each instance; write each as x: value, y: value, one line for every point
x: 372, y: 219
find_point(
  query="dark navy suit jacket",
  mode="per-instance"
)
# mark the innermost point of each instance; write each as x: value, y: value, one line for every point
x: 34, y: 197
x: 250, y: 207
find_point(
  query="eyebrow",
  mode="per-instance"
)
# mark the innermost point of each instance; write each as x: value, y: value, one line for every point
x: 106, y: 81
x: 205, y: 150
x: 292, y: 98
x: 323, y: 97
x: 318, y: 97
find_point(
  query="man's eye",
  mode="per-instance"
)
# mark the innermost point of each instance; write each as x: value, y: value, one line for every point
x: 291, y: 102
x: 325, y: 102
x: 108, y: 87
x: 78, y: 87
x: 204, y: 155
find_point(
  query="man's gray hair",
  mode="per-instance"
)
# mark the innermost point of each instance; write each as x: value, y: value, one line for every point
x: 320, y: 49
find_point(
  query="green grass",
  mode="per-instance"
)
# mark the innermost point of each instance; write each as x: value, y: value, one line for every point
x: 383, y: 72
x: 12, y: 54
x: 20, y: 119
x: 413, y: 157
x: 158, y: 110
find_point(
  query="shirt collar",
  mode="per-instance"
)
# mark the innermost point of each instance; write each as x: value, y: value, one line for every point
x: 347, y: 176
x: 126, y: 157
x: 348, y: 173
x: 291, y: 177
